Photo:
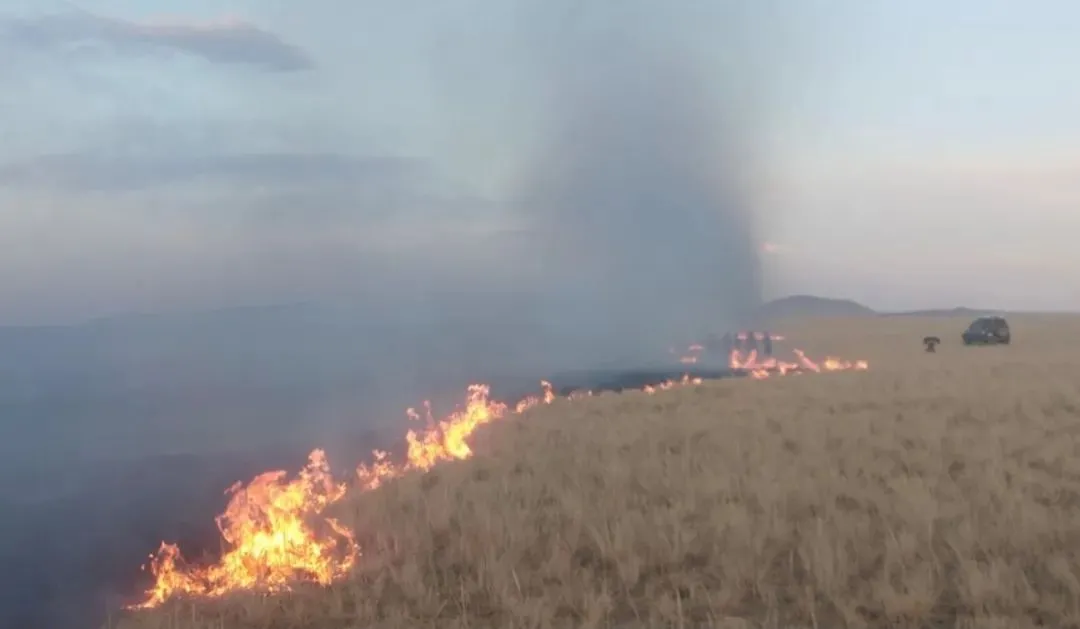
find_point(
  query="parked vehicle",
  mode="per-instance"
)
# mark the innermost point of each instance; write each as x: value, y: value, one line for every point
x: 989, y: 330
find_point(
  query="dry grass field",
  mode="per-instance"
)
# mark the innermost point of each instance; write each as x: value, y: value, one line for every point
x: 934, y: 490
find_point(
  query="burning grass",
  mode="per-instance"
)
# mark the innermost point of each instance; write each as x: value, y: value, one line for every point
x: 935, y: 488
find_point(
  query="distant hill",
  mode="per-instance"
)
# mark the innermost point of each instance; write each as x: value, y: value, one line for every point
x: 801, y: 306
x: 943, y: 312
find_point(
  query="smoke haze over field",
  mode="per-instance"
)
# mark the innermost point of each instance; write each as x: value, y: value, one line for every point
x: 450, y: 192
x: 639, y: 213
x: 521, y: 189
x: 635, y: 180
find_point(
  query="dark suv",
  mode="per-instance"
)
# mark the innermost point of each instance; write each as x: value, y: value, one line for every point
x: 987, y: 331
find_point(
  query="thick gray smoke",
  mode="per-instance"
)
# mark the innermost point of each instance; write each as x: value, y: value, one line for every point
x: 637, y: 198
x: 629, y: 138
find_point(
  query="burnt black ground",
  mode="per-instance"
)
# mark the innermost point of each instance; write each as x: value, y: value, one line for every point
x: 74, y: 534
x: 72, y: 546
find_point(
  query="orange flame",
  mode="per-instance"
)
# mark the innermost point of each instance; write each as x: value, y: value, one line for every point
x: 693, y: 352
x: 272, y: 541
x: 276, y: 531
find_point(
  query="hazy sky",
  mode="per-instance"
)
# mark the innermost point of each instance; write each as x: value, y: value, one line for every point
x: 159, y: 154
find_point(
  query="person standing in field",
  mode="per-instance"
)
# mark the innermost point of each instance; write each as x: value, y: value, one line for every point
x: 751, y: 342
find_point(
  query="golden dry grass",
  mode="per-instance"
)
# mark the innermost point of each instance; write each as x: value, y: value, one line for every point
x: 934, y: 490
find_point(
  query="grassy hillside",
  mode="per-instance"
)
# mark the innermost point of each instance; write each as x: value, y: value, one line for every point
x: 932, y: 490
x: 809, y: 306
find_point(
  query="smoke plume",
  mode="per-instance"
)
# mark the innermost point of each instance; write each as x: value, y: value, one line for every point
x: 637, y: 198
x: 631, y: 141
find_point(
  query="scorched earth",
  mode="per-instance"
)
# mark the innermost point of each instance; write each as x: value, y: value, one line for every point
x: 274, y: 529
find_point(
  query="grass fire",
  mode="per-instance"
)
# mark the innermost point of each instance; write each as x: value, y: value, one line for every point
x: 276, y: 531
x: 924, y: 490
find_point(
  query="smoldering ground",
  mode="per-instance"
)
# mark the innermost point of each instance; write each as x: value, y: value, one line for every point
x: 634, y: 229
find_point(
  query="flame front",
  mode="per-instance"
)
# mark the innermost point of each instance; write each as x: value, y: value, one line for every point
x: 275, y: 530
x: 272, y: 538
x: 763, y: 368
x: 448, y: 441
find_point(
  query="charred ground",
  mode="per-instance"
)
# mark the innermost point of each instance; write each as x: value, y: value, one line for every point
x: 80, y: 515
x: 918, y: 493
